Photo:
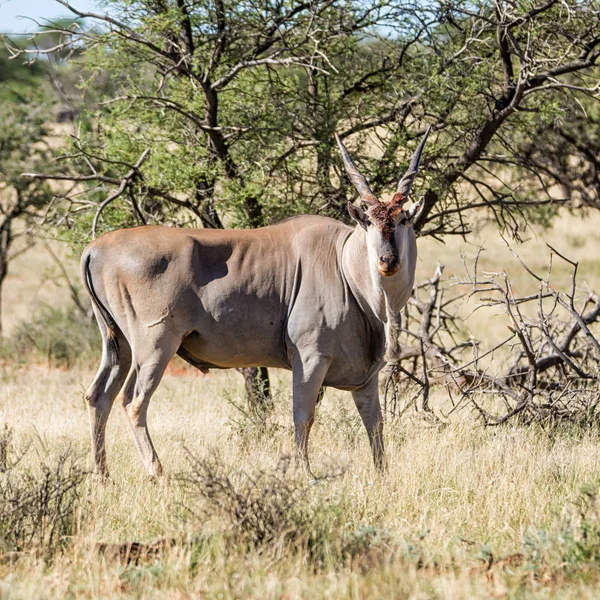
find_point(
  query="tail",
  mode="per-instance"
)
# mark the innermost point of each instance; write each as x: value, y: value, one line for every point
x: 112, y: 344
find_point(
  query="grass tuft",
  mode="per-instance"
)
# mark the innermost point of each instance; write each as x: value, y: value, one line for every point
x: 37, y: 506
x: 274, y: 511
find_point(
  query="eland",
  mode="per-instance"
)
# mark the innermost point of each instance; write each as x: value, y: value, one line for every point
x: 309, y: 294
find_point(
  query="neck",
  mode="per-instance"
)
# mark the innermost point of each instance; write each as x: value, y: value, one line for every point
x: 383, y: 295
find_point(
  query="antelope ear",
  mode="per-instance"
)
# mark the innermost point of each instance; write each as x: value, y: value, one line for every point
x: 414, y: 210
x: 358, y: 215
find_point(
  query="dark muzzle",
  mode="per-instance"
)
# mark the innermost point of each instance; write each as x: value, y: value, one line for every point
x: 388, y: 265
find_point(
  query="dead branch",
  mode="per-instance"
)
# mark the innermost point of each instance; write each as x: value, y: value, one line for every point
x: 72, y: 289
x: 547, y: 369
x: 127, y: 179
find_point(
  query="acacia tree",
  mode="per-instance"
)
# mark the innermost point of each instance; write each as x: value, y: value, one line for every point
x: 224, y: 112
x: 238, y: 103
x: 567, y: 153
x: 22, y: 129
x: 22, y: 147
x: 188, y: 137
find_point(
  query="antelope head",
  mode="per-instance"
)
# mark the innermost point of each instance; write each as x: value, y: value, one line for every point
x: 388, y: 225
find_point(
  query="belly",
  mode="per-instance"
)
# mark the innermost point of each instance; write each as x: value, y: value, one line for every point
x: 231, y: 328
x: 225, y: 350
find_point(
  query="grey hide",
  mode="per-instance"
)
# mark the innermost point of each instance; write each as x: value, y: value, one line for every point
x: 309, y: 294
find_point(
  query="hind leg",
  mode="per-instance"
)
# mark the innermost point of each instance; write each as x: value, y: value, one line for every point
x: 101, y: 395
x: 144, y: 376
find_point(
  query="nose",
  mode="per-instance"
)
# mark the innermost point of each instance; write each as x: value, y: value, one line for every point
x: 388, y: 265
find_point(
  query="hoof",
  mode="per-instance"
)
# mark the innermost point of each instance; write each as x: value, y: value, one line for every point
x: 101, y: 478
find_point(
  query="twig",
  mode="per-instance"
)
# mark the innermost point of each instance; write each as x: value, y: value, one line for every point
x: 127, y: 179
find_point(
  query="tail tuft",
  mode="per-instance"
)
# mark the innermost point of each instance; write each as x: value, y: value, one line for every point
x: 112, y: 343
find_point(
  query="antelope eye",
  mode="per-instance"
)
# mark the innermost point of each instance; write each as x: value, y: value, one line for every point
x: 403, y: 220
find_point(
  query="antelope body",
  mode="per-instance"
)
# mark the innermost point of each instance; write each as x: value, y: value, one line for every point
x: 309, y: 294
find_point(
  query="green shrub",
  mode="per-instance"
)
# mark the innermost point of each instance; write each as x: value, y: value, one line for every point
x: 37, y: 507
x: 573, y: 544
x: 61, y: 337
x: 250, y: 425
x: 277, y: 512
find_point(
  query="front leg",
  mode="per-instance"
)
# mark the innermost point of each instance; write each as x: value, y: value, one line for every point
x: 366, y: 400
x: 308, y: 373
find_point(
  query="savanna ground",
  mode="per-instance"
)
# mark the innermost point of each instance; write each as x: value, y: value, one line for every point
x: 464, y: 511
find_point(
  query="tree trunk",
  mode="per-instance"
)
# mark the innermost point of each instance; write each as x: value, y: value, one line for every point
x: 1, y: 278
x: 258, y: 388
x: 5, y: 240
x: 3, y: 273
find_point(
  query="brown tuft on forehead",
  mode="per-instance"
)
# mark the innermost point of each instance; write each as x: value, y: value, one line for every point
x: 384, y: 217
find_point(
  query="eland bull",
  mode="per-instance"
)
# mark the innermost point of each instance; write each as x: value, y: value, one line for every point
x: 309, y: 294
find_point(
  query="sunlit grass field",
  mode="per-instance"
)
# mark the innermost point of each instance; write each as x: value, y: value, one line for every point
x: 464, y: 511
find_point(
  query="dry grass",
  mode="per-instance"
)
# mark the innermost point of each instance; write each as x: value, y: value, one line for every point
x: 577, y: 238
x: 453, y: 498
x: 464, y: 511
x: 34, y: 280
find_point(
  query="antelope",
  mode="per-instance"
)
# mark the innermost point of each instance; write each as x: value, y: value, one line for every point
x: 309, y: 294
